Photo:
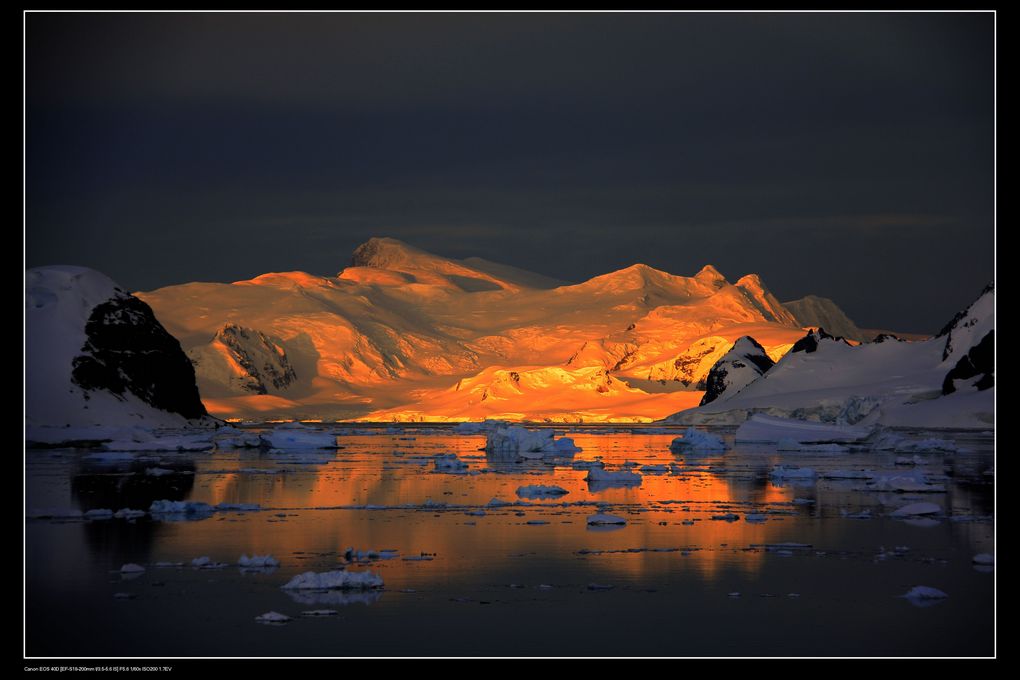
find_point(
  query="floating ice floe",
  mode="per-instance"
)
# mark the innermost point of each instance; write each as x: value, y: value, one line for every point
x: 655, y: 469
x: 128, y: 513
x: 762, y: 429
x: 178, y: 510
x: 728, y: 517
x: 890, y: 441
x: 157, y: 472
x: 335, y: 580
x: 924, y: 595
x: 314, y: 613
x: 792, y: 473
x: 272, y: 618
x: 257, y: 561
x: 132, y: 568
x: 53, y: 513
x: 755, y: 518
x: 478, y: 428
x: 352, y: 555
x: 205, y: 562
x: 498, y: 503
x: 298, y: 436
x: 234, y: 438
x: 538, y: 491
x: 99, y: 513
x: 916, y: 510
x: 916, y: 482
x: 603, y: 519
x: 609, y: 478
x: 696, y: 441
x: 523, y: 443
x: 984, y: 559
x: 237, y: 507
x: 448, y: 463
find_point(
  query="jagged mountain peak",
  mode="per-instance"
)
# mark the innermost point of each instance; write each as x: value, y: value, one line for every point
x: 709, y: 274
x: 383, y: 252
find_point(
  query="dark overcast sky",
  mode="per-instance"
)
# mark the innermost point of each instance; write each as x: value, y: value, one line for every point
x: 846, y: 155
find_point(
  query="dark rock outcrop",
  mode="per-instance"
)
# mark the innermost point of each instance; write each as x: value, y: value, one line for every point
x: 979, y: 361
x: 128, y: 350
x: 745, y: 362
x: 809, y: 343
x: 264, y: 361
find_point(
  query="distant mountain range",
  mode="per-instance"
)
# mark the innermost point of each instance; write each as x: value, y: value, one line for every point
x: 403, y: 334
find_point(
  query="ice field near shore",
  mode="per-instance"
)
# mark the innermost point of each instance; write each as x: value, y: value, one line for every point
x: 370, y: 546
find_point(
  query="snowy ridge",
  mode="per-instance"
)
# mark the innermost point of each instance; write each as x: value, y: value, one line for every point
x: 406, y: 335
x: 812, y: 310
x: 743, y: 363
x: 892, y: 383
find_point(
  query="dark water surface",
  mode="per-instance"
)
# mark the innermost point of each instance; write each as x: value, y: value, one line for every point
x: 495, y: 584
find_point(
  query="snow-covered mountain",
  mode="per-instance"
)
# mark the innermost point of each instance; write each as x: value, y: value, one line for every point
x: 743, y: 363
x: 820, y: 312
x: 405, y: 334
x: 944, y: 381
x: 96, y: 356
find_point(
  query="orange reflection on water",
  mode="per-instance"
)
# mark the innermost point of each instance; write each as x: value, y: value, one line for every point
x: 314, y: 503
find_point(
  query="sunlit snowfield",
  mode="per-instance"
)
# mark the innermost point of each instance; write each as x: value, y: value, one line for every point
x: 715, y: 558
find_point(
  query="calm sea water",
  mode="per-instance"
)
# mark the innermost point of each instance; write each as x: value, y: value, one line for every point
x: 816, y: 578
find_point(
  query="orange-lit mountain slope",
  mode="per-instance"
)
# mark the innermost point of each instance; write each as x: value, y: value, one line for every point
x: 404, y: 334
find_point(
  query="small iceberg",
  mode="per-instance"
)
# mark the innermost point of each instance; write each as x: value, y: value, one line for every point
x: 298, y: 436
x: 538, y: 491
x: 171, y: 510
x: 272, y: 618
x: 916, y: 510
x: 603, y: 519
x: 784, y: 473
x: 924, y: 596
x: 696, y: 441
x: 257, y: 562
x: 450, y: 464
x: 608, y: 478
x: 335, y: 580
x: 519, y: 442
